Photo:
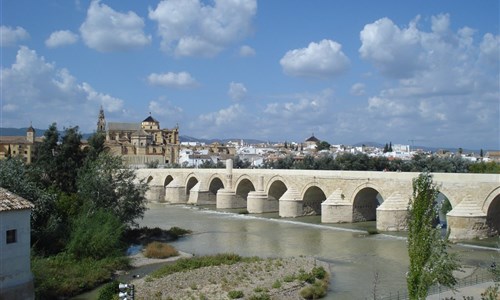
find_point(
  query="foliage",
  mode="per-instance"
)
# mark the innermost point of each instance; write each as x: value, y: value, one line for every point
x: 105, y: 183
x: 152, y: 164
x: 47, y: 227
x: 317, y: 290
x: 323, y: 145
x: 491, y: 293
x: 260, y: 296
x: 109, y: 291
x: 159, y: 250
x: 200, y: 262
x: 95, y: 235
x: 63, y: 275
x: 96, y: 145
x: 429, y: 261
x: 235, y: 294
x: 58, y: 163
x: 485, y: 167
x: 238, y: 163
x: 445, y: 206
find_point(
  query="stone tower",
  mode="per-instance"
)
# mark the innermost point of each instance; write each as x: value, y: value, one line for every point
x: 101, y: 121
x: 30, y: 134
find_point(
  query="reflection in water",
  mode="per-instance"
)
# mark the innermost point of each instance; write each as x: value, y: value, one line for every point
x: 354, y: 255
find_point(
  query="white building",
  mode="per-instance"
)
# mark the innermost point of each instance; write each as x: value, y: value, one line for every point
x: 16, y: 280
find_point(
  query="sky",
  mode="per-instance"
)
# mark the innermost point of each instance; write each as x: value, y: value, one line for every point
x: 407, y: 72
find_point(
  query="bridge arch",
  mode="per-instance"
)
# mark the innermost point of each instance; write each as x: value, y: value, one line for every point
x: 168, y: 180
x: 366, y: 198
x: 191, y: 182
x: 312, y: 198
x: 244, y: 186
x: 492, y: 208
x: 215, y: 184
x: 276, y: 188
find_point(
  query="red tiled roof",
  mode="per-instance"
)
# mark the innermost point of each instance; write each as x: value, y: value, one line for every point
x: 10, y: 201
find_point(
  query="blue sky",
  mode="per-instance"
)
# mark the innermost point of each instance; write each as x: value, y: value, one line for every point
x: 278, y: 70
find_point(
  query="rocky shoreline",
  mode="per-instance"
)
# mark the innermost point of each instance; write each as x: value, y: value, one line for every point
x: 271, y: 277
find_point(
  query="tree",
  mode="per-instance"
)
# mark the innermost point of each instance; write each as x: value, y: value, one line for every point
x: 323, y: 145
x: 430, y: 262
x: 106, y: 183
x: 390, y: 147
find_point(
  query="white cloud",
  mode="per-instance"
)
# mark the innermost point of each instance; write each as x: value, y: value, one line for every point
x: 448, y: 80
x: 164, y: 108
x: 193, y: 28
x: 358, y: 89
x: 47, y: 94
x: 61, y: 38
x: 247, y: 51
x: 12, y: 36
x: 395, y: 52
x: 222, y: 117
x: 324, y: 59
x: 237, y: 91
x: 107, y: 30
x: 170, y: 79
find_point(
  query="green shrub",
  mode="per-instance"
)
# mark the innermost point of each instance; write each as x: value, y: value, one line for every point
x: 314, y: 291
x: 235, y: 294
x: 96, y: 235
x: 159, y: 250
x: 276, y: 284
x: 177, y: 232
x: 319, y: 272
x: 263, y: 296
x: 109, y: 291
x: 307, y: 277
x: 289, y: 278
x: 63, y: 275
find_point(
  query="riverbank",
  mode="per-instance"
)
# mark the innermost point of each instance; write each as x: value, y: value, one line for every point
x: 276, y: 278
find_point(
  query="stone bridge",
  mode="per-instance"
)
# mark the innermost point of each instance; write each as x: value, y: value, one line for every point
x: 338, y: 196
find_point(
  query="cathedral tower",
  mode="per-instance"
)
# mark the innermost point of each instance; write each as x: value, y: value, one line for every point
x: 101, y: 121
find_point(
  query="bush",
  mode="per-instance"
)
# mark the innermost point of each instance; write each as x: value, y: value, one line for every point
x: 160, y: 250
x: 315, y: 291
x: 96, y: 235
x: 63, y: 276
x: 177, y: 232
x: 319, y: 272
x: 263, y: 296
x: 109, y: 291
x: 235, y: 294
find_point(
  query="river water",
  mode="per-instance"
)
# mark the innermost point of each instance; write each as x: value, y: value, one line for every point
x: 356, y: 258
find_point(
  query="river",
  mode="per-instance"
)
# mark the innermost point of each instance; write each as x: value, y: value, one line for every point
x: 356, y: 257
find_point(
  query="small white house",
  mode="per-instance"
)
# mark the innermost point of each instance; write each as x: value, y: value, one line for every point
x: 16, y: 280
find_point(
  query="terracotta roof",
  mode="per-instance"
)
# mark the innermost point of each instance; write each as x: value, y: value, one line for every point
x: 10, y: 201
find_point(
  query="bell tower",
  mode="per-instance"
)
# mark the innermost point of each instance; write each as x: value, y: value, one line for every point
x: 101, y: 121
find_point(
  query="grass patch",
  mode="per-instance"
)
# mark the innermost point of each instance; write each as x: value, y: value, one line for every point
x: 159, y: 250
x: 316, y: 290
x: 235, y: 294
x: 63, y: 276
x: 186, y: 264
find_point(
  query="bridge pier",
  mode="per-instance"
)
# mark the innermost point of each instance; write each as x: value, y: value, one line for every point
x: 228, y: 199
x: 336, y: 209
x: 290, y: 204
x: 467, y: 221
x: 199, y: 197
x: 175, y: 193
x: 155, y: 193
x: 258, y: 201
x: 392, y: 214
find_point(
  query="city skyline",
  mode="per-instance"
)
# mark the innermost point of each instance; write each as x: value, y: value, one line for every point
x: 347, y: 71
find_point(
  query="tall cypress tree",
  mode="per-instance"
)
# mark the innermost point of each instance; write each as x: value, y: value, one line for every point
x: 430, y: 262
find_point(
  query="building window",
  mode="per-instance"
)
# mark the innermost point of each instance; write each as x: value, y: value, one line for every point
x: 11, y: 236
